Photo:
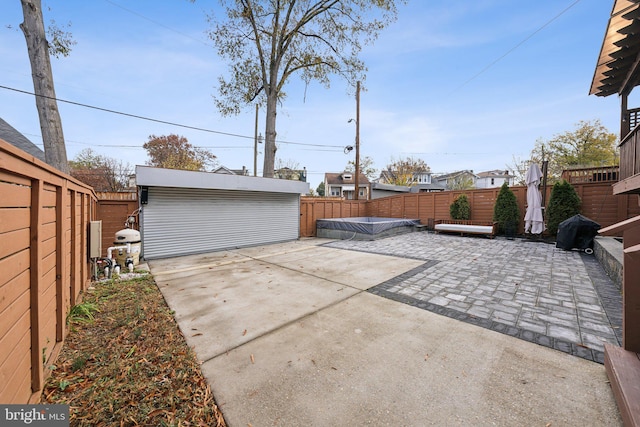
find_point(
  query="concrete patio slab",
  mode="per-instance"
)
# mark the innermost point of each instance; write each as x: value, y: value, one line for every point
x: 373, y: 361
x: 225, y: 299
x: 291, y: 334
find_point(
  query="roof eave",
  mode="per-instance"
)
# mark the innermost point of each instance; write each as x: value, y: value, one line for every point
x: 622, y: 15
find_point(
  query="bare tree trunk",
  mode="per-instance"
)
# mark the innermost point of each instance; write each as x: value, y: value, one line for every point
x: 50, y: 123
x: 270, y: 137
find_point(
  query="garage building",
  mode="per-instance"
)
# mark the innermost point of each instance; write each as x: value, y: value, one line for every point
x: 188, y: 212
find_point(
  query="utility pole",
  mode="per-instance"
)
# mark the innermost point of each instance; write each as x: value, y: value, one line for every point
x: 255, y: 147
x: 357, y: 180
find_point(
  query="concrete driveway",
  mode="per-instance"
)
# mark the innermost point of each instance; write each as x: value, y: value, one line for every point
x: 288, y: 336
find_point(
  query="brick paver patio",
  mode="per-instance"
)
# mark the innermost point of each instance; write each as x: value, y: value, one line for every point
x: 528, y: 289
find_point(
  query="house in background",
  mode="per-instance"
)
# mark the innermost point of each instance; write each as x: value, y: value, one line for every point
x: 494, y: 178
x: 464, y: 179
x: 391, y: 177
x: 291, y: 174
x: 379, y: 190
x: 343, y: 184
x: 225, y: 170
x: 15, y: 138
x: 419, y: 182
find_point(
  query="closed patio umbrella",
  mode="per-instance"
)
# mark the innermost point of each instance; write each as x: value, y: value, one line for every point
x: 533, y: 220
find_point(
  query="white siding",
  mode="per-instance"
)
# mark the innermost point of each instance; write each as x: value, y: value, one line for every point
x: 182, y: 221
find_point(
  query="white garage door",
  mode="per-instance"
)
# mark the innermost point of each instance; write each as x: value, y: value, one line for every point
x: 183, y: 221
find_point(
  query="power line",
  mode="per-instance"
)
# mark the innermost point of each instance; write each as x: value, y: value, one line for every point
x: 450, y: 154
x: 546, y: 24
x: 157, y: 23
x: 136, y: 116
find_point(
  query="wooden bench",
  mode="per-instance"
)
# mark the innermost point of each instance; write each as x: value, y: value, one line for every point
x: 463, y: 227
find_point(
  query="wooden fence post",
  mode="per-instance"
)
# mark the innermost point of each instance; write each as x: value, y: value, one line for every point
x: 36, y: 273
x: 61, y: 219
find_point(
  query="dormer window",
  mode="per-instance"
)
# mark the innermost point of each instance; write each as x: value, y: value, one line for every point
x: 347, y: 176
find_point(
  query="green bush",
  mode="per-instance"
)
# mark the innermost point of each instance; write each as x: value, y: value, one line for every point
x: 460, y: 208
x: 563, y: 204
x: 506, y: 211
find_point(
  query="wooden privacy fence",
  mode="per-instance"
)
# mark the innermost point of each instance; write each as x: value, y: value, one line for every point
x: 113, y: 210
x: 598, y: 203
x: 44, y: 217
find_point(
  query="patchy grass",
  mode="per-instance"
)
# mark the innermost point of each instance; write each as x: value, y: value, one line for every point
x: 82, y: 313
x: 125, y: 362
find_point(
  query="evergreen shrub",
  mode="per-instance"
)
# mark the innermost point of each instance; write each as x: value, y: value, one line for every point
x: 460, y: 208
x: 506, y: 211
x: 563, y: 204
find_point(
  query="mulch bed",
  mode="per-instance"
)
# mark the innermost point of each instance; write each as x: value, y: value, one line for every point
x: 125, y: 362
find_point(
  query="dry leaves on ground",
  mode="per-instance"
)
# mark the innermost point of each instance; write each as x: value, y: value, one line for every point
x: 129, y: 365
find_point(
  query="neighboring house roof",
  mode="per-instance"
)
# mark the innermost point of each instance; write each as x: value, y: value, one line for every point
x: 342, y: 178
x: 15, y: 138
x: 452, y: 175
x: 390, y: 187
x: 224, y: 170
x: 434, y: 186
x: 379, y: 190
x: 386, y: 176
x: 495, y: 174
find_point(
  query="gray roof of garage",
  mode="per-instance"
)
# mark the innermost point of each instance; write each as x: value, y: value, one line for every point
x: 147, y: 176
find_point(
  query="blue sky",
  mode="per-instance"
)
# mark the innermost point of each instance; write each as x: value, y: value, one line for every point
x: 429, y: 93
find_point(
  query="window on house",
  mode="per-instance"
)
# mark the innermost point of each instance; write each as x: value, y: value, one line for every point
x: 492, y: 181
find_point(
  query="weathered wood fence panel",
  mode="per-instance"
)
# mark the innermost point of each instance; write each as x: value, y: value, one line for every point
x: 313, y: 208
x: 598, y: 203
x: 113, y: 210
x: 44, y: 216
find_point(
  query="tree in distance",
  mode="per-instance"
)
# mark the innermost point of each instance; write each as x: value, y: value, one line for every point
x: 404, y: 172
x: 462, y: 181
x: 175, y: 152
x: 589, y: 145
x: 266, y: 42
x: 288, y: 169
x: 366, y: 168
x: 101, y: 172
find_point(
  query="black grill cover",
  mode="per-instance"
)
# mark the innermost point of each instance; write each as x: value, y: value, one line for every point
x: 576, y: 232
